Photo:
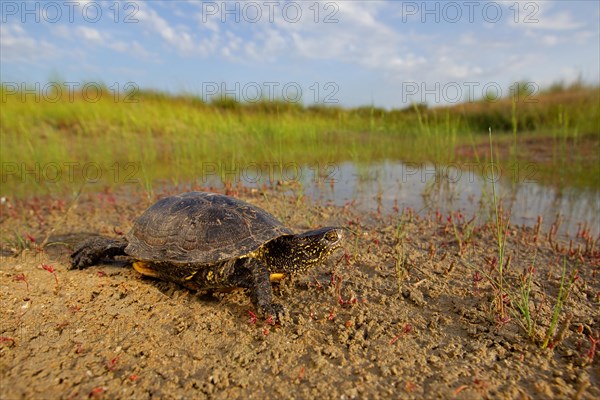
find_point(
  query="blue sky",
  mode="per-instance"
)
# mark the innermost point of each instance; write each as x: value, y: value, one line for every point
x: 386, y: 53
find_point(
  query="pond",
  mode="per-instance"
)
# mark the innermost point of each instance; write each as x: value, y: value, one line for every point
x: 392, y: 186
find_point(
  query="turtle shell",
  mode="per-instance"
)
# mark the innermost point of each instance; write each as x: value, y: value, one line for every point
x: 201, y: 228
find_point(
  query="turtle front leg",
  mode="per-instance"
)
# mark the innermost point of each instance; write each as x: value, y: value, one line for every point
x: 261, y: 292
x: 96, y: 248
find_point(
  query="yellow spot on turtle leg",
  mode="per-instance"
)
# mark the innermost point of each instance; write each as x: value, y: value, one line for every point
x: 210, y: 276
x: 188, y: 278
x: 144, y: 268
x: 276, y: 277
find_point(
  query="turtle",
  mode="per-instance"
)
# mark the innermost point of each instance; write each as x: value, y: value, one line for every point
x: 209, y: 241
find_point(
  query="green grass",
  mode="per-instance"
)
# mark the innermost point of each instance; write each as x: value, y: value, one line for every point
x: 501, y: 232
x: 50, y: 146
x: 514, y: 298
x: 563, y: 294
x: 522, y: 301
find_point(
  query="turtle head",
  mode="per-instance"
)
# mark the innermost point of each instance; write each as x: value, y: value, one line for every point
x: 296, y: 253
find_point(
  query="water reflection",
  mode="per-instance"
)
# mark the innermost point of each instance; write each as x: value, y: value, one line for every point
x: 392, y: 186
x: 466, y: 188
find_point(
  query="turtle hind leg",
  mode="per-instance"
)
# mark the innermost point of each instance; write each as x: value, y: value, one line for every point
x: 96, y: 248
x: 261, y: 292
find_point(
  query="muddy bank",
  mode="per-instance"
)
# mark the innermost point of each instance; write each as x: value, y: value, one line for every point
x: 410, y: 308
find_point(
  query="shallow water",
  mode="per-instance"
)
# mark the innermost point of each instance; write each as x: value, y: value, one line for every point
x: 390, y: 187
x: 393, y: 186
x: 423, y: 187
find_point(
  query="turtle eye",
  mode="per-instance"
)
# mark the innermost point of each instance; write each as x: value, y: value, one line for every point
x: 331, y: 236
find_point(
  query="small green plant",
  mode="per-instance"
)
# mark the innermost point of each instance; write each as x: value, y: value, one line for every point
x: 515, y: 126
x: 501, y: 232
x: 522, y: 301
x: 400, y: 264
x: 563, y: 294
x: 20, y: 243
x: 146, y: 182
x: 463, y: 230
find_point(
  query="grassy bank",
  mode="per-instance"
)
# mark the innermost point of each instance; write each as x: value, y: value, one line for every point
x: 48, y: 145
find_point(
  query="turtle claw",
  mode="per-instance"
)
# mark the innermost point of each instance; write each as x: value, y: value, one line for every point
x: 82, y: 258
x: 275, y: 311
x: 94, y: 249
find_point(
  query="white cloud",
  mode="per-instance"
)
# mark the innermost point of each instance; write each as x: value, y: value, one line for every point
x: 560, y: 21
x: 61, y: 31
x: 179, y: 37
x: 210, y: 24
x: 139, y: 50
x: 541, y: 16
x: 89, y: 34
x: 359, y: 38
x: 17, y: 46
x: 86, y: 35
x: 550, y: 40
x: 583, y: 37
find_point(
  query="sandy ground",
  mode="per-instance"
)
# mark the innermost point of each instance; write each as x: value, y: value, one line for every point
x: 408, y: 309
